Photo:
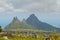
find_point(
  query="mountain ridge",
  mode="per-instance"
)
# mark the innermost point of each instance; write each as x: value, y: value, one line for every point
x: 32, y: 22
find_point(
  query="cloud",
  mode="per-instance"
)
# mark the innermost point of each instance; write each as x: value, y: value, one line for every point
x: 4, y: 6
x: 30, y: 5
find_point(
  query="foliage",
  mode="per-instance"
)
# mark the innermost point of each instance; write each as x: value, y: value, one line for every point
x: 23, y: 37
x: 0, y: 28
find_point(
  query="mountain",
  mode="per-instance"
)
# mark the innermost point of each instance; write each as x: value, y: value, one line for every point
x: 33, y: 20
x: 16, y: 24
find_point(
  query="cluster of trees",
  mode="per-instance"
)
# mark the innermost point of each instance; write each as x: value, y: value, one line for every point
x: 0, y: 29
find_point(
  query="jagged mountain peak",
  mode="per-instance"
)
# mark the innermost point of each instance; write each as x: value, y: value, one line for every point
x: 15, y: 23
x: 15, y: 19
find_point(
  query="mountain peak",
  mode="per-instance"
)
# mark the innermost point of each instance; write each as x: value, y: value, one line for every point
x: 15, y: 23
x: 16, y: 19
x: 33, y: 20
x: 33, y: 16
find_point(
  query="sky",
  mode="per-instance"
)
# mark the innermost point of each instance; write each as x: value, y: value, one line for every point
x: 46, y: 11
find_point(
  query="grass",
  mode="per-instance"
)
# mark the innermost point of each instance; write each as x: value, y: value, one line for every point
x: 20, y: 38
x: 27, y: 38
x: 52, y: 36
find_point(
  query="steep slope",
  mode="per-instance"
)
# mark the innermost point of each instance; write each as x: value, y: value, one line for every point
x: 33, y: 20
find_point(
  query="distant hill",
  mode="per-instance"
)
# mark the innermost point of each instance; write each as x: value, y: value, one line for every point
x: 33, y: 20
x: 16, y: 24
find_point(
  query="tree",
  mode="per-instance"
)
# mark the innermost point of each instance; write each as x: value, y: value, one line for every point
x: 0, y: 29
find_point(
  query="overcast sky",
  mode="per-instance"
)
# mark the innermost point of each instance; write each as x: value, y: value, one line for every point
x: 46, y: 10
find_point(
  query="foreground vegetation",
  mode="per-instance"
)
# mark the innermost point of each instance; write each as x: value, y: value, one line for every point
x: 29, y: 35
x: 23, y: 36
